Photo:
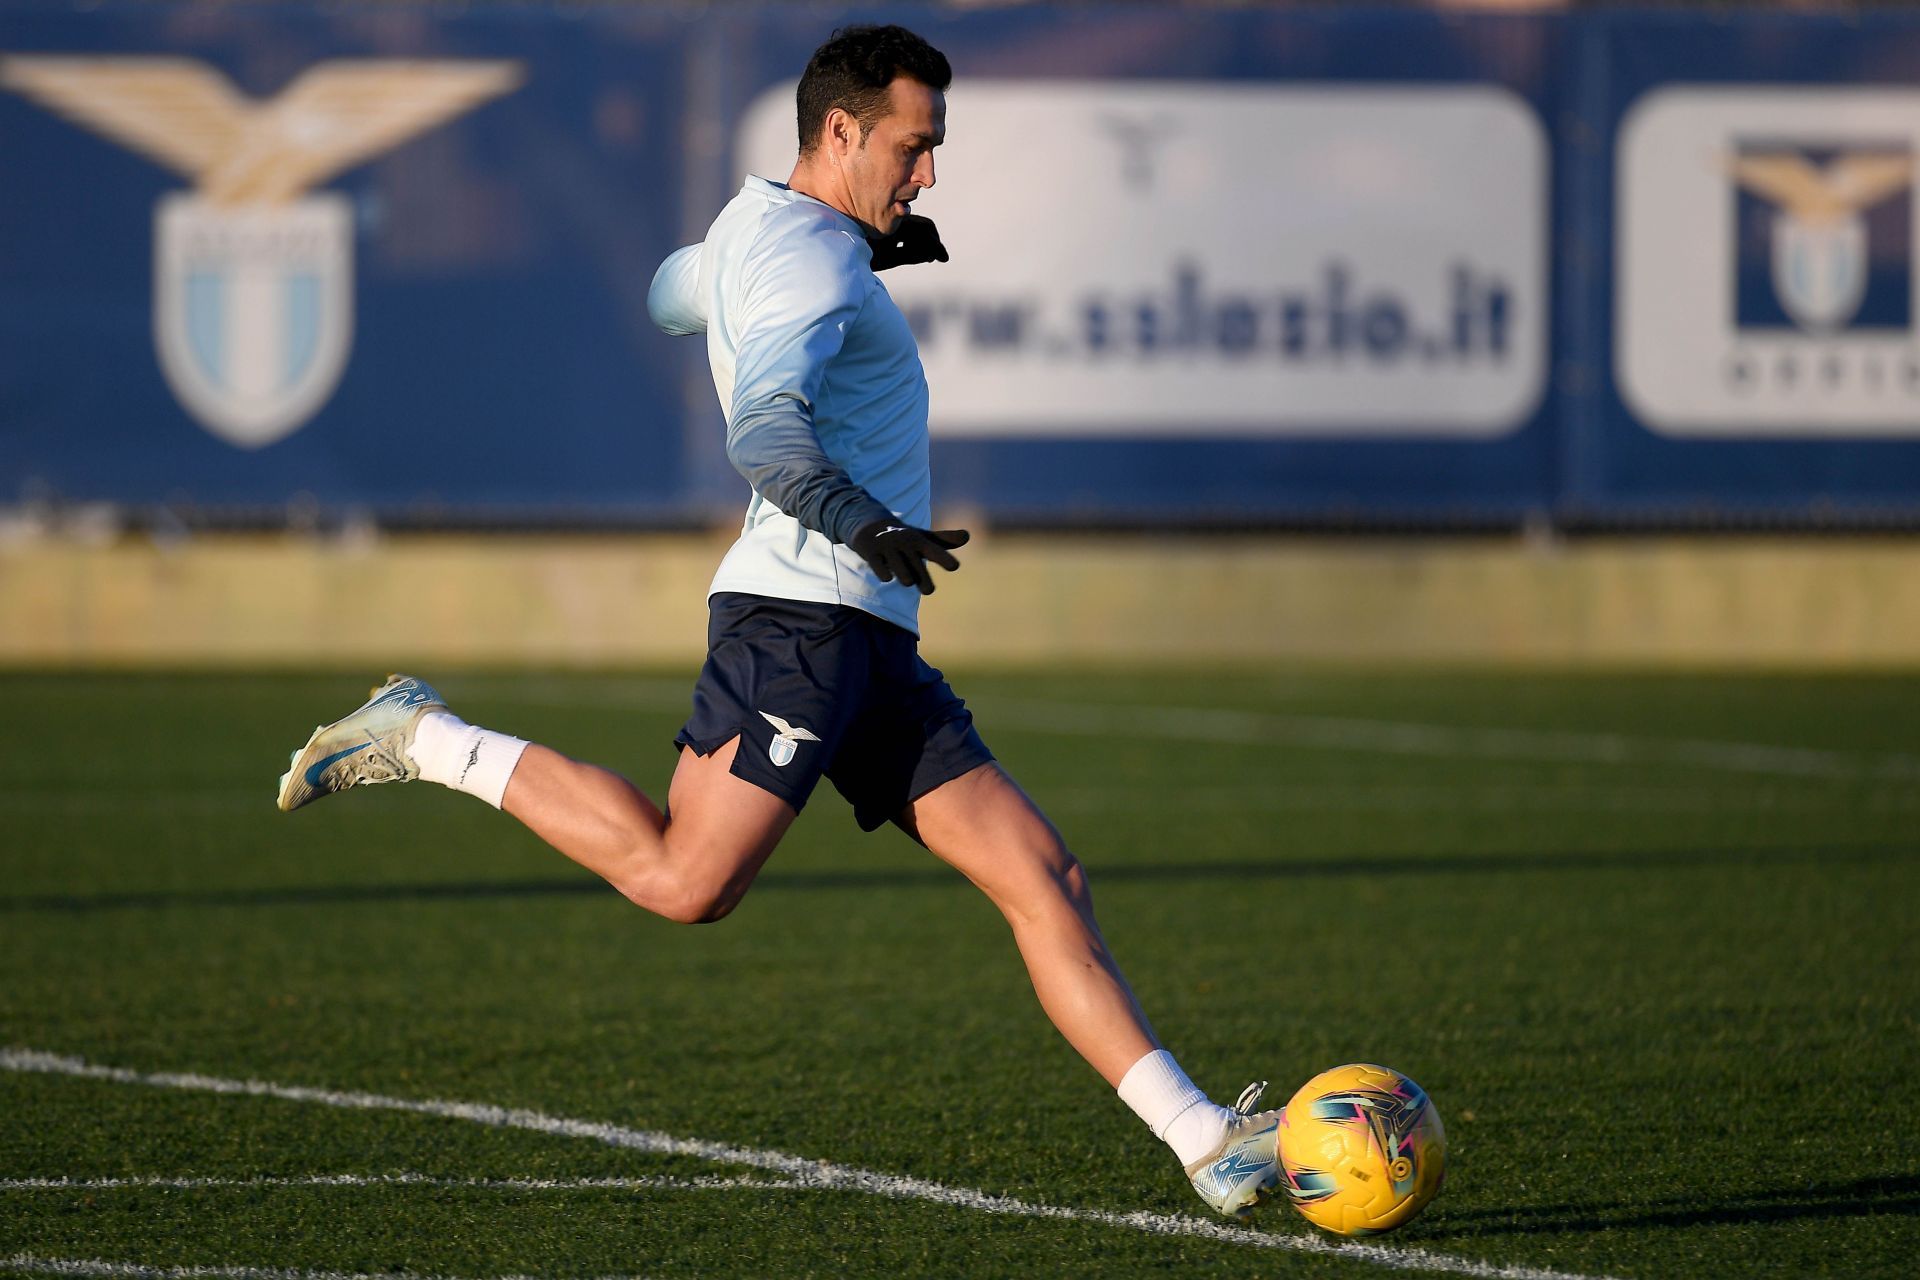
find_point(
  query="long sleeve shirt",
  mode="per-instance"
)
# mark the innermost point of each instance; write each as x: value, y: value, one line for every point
x: 820, y: 381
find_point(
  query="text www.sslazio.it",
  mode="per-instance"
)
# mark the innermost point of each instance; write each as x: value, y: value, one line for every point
x: 1335, y: 318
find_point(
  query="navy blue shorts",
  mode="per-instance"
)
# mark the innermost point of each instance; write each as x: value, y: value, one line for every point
x: 823, y: 689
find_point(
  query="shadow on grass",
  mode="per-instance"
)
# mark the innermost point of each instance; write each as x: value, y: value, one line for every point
x: 933, y: 875
x: 1865, y: 1197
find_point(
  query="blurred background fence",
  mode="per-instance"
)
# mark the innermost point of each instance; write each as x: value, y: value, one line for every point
x: 378, y: 267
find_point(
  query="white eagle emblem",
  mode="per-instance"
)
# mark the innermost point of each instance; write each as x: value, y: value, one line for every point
x: 1819, y: 232
x: 786, y: 739
x: 253, y: 277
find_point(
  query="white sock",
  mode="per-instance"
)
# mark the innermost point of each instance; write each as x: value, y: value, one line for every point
x: 465, y: 757
x: 1173, y: 1106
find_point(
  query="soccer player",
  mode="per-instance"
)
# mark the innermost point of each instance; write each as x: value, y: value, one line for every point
x: 813, y: 666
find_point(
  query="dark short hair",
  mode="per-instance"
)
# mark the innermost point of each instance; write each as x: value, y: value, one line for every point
x: 852, y: 71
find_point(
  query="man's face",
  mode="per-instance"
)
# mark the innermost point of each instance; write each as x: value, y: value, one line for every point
x: 894, y: 161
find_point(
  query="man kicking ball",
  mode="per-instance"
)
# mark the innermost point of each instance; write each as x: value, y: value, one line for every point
x: 813, y: 666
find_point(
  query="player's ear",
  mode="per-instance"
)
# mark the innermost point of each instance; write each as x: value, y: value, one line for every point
x: 842, y: 132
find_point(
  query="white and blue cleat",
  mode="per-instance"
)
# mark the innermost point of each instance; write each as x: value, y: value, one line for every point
x: 1245, y: 1168
x: 364, y: 748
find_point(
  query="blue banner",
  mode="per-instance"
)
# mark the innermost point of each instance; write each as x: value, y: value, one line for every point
x: 1329, y: 266
x: 1753, y: 310
x: 251, y: 255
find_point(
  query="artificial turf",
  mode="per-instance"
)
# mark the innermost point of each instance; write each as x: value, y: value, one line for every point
x: 1649, y: 942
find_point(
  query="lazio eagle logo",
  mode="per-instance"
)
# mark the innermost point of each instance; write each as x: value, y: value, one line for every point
x: 253, y: 278
x: 786, y: 739
x: 1819, y: 245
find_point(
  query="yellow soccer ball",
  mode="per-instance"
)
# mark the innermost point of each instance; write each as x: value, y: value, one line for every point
x: 1362, y: 1150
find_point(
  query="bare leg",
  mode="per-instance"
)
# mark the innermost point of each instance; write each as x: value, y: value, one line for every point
x: 985, y: 826
x: 693, y: 867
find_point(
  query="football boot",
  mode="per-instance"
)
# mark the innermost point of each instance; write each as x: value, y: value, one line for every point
x: 366, y: 747
x: 1245, y: 1168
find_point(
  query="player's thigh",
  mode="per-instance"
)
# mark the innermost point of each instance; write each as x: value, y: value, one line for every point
x: 989, y: 830
x: 721, y: 828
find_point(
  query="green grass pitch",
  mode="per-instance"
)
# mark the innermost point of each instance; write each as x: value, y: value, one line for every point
x: 1651, y: 943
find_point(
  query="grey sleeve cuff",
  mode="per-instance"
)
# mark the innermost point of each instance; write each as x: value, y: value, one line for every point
x: 775, y: 448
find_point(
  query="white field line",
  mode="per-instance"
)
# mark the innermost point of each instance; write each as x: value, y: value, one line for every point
x: 1344, y: 733
x: 1470, y: 798
x: 705, y: 1183
x: 1339, y: 733
x: 819, y: 1174
x: 32, y: 1264
x: 627, y: 694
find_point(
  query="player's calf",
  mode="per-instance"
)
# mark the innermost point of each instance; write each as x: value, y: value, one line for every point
x: 692, y: 869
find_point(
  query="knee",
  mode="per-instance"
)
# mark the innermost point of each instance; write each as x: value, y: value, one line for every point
x: 1052, y: 864
x: 1054, y: 878
x: 1071, y: 877
x: 699, y: 907
x: 682, y: 901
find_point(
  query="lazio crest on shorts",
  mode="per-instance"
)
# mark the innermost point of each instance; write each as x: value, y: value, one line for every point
x: 253, y: 278
x: 786, y: 739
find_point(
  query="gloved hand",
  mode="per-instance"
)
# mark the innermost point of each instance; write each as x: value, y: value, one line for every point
x: 900, y: 552
x: 914, y: 240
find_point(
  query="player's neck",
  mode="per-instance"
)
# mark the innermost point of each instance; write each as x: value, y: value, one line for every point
x: 824, y: 185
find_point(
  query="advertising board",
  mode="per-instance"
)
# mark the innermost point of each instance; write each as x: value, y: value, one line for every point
x: 1765, y: 261
x: 1167, y: 259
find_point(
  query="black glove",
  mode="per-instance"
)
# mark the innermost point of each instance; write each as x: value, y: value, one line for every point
x: 897, y: 551
x: 914, y: 240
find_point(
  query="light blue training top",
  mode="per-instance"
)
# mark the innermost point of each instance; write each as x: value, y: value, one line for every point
x: 820, y: 380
